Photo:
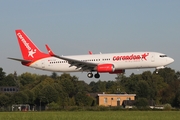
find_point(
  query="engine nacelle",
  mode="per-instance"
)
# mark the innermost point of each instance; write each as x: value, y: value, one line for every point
x: 105, y: 68
x: 117, y: 71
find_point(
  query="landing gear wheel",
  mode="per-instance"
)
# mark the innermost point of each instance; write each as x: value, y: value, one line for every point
x: 157, y: 71
x: 97, y: 75
x: 90, y: 75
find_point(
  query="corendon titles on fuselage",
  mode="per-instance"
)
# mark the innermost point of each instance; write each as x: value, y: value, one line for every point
x: 130, y: 57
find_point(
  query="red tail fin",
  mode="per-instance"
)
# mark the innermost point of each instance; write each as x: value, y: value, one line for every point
x: 28, y: 48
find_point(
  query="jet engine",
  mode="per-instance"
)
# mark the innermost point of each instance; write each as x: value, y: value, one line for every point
x: 105, y: 68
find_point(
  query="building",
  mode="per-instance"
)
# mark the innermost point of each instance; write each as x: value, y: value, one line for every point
x: 21, y: 107
x: 113, y: 99
x: 9, y: 89
x: 128, y: 103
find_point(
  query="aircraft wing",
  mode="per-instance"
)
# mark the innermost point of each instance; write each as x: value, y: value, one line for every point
x: 85, y: 66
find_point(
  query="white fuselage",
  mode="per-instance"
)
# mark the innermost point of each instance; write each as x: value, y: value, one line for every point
x: 128, y: 60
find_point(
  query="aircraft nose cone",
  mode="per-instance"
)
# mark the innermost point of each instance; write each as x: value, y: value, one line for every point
x: 170, y: 60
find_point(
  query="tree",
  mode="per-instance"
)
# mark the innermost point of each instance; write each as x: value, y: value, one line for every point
x: 113, y: 87
x: 9, y: 80
x: 120, y: 77
x: 82, y: 99
x: 177, y: 98
x: 156, y: 85
x: 143, y: 89
x: 48, y: 94
x: 81, y: 86
x: 141, y: 103
x: 68, y: 84
x: 4, y: 100
x: 168, y: 74
x: 92, y: 84
x: 178, y: 75
x: 2, y: 76
x: 27, y: 78
x: 100, y: 86
x: 147, y: 75
x: 54, y: 75
x: 130, y: 83
x: 167, y: 95
x: 63, y: 99
x: 30, y: 95
x: 19, y: 98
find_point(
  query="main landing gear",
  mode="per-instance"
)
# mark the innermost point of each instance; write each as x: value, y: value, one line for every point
x: 157, y: 71
x: 90, y: 75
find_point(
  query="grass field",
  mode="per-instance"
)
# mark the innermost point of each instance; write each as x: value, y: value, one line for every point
x: 92, y: 115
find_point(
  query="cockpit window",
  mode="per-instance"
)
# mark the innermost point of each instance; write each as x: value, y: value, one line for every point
x: 163, y: 56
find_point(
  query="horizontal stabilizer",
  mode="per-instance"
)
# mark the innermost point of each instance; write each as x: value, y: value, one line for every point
x: 20, y: 60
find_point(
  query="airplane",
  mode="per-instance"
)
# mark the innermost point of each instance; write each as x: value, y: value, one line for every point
x: 113, y: 63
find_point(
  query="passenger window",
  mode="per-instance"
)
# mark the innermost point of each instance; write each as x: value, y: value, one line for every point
x: 163, y: 56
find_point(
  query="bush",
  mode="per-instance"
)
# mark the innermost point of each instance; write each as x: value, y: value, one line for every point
x: 142, y: 103
x: 53, y: 106
x: 167, y: 107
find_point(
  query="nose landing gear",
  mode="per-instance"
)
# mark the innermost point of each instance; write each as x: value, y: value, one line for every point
x: 157, y: 68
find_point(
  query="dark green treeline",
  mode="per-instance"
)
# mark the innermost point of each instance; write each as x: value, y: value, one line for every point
x: 66, y: 90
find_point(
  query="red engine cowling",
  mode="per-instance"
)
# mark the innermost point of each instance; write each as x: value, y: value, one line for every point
x: 118, y: 71
x: 105, y: 68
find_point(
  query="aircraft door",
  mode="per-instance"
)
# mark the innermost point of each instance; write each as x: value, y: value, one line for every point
x: 152, y: 58
x: 118, y: 101
x: 43, y: 64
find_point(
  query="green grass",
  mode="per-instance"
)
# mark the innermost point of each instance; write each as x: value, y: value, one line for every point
x: 92, y: 115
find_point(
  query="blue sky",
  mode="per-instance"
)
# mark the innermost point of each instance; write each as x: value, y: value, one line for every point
x: 77, y: 26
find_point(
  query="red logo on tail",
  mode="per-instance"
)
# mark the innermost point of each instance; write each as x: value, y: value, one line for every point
x: 31, y: 52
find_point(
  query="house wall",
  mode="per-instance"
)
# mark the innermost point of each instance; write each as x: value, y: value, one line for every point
x: 114, y: 99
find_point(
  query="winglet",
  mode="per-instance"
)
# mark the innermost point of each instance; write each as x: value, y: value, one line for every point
x: 90, y: 53
x: 49, y: 50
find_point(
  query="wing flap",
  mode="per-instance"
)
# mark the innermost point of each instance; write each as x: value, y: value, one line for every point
x: 85, y: 66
